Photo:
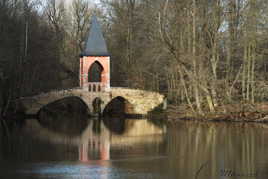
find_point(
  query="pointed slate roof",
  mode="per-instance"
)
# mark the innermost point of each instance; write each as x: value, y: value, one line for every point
x: 95, y: 45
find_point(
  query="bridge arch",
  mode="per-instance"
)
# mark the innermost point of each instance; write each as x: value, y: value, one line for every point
x: 118, y: 106
x: 69, y: 103
x: 66, y: 115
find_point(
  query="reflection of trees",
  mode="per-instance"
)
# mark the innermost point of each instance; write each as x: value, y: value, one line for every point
x: 190, y: 145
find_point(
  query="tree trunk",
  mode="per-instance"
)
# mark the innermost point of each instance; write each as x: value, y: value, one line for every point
x: 196, y: 89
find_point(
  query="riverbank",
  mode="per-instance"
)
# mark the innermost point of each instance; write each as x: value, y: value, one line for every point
x: 229, y: 113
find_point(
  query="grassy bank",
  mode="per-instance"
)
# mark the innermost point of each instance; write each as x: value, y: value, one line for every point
x: 245, y: 112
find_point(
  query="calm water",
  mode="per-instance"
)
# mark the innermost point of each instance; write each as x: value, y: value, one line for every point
x: 126, y: 149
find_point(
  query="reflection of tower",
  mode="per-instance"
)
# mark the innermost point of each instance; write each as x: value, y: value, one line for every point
x: 96, y: 144
x: 105, y: 150
x: 95, y: 61
x: 83, y: 152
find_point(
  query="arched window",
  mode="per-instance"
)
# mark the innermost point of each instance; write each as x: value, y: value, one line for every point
x: 94, y: 72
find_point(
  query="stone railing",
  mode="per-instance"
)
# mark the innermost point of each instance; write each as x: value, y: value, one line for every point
x: 95, y: 87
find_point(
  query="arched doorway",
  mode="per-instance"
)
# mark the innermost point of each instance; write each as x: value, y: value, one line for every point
x: 94, y: 72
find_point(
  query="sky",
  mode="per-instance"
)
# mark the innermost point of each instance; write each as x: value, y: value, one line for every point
x: 93, y: 1
x: 69, y: 2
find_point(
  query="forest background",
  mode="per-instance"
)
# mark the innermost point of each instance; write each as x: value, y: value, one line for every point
x: 202, y: 54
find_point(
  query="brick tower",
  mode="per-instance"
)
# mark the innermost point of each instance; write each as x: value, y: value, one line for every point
x: 95, y: 61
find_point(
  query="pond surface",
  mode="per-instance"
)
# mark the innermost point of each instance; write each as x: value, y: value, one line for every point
x: 129, y: 148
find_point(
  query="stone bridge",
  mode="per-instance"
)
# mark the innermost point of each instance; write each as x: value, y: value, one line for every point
x: 140, y: 101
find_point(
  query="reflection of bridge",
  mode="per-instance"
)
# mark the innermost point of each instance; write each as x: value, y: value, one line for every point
x: 140, y: 101
x: 90, y: 143
x: 94, y: 77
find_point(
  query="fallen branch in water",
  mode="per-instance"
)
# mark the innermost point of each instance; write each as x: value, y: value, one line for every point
x: 200, y: 169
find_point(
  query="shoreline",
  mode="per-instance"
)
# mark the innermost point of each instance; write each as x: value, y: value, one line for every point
x: 256, y: 114
x: 259, y: 121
